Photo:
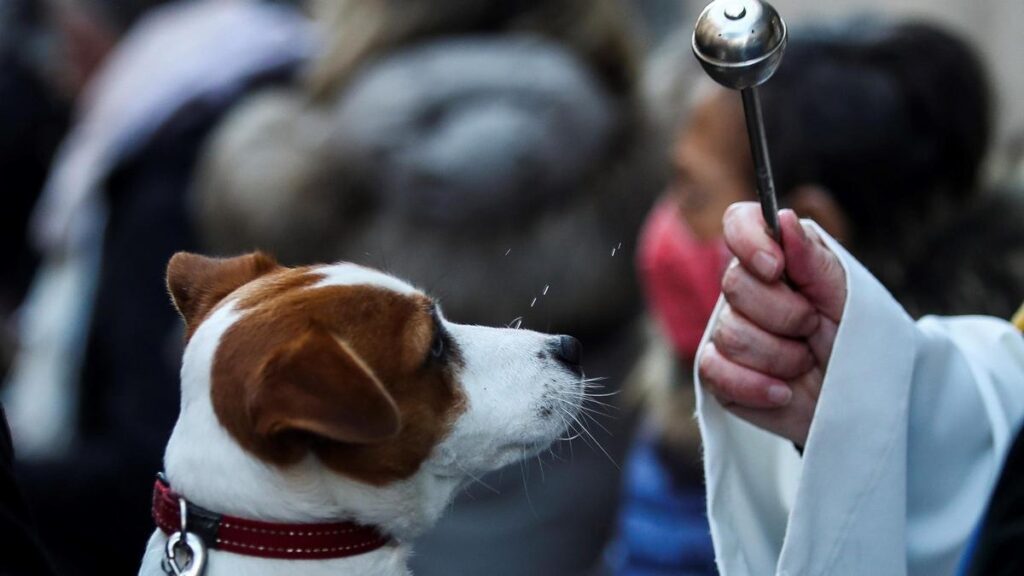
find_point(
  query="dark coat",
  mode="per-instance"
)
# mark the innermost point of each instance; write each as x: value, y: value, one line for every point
x: 23, y: 550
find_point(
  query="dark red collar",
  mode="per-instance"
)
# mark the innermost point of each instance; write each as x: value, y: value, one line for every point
x: 265, y: 539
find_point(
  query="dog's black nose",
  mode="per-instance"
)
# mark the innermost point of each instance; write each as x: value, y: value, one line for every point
x: 567, y: 350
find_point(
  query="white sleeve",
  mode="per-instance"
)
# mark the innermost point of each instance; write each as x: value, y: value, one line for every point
x: 907, y: 439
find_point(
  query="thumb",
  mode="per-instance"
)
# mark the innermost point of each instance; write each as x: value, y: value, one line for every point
x: 812, y: 268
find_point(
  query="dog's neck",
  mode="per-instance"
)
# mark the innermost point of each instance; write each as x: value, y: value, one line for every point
x: 206, y: 466
x: 234, y: 483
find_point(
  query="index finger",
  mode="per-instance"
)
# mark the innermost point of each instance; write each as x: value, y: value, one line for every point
x: 748, y: 237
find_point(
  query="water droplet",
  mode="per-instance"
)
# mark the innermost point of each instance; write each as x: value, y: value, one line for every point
x: 545, y: 292
x: 507, y: 252
x: 533, y: 303
x: 613, y: 252
x: 619, y: 247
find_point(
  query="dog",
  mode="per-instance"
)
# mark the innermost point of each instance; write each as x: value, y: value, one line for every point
x: 329, y: 414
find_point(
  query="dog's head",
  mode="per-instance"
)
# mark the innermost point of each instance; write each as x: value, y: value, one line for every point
x: 362, y: 372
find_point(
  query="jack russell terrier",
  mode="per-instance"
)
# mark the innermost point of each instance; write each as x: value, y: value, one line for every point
x: 329, y: 413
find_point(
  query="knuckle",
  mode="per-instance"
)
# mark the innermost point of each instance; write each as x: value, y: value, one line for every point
x: 795, y: 319
x: 732, y: 283
x: 831, y: 268
x: 822, y: 265
x: 807, y: 361
x: 729, y: 338
x: 794, y: 361
x: 710, y: 377
x: 705, y: 365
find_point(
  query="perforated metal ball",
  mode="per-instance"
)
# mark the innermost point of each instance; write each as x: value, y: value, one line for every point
x: 739, y: 42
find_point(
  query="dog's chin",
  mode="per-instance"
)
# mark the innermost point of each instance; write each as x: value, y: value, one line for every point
x: 515, y: 451
x: 526, y: 448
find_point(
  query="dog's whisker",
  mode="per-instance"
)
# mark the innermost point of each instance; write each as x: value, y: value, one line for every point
x: 579, y: 427
x: 526, y: 488
x: 571, y: 430
x: 590, y: 403
x: 555, y: 455
x: 565, y: 425
x: 595, y: 391
x: 574, y: 422
x: 600, y: 447
x: 593, y: 417
x: 604, y: 402
x: 598, y: 406
x: 595, y: 413
x: 600, y: 394
x: 596, y: 422
x: 585, y: 395
x: 575, y: 427
x: 477, y: 479
x: 583, y: 407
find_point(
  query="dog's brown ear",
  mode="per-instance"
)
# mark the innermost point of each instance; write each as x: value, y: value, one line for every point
x: 318, y: 385
x: 197, y: 283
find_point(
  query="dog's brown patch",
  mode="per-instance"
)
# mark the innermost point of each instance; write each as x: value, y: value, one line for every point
x: 342, y: 371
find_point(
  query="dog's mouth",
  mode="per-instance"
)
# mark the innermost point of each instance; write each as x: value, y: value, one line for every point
x: 523, y: 450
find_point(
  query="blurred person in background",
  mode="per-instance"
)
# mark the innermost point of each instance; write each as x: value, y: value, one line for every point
x: 600, y: 32
x: 24, y: 552
x: 1015, y: 164
x: 93, y: 392
x: 876, y: 132
x: 497, y: 154
x: 33, y: 117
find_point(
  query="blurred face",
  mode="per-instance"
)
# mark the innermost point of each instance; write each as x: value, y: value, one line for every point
x: 711, y: 163
x: 681, y: 255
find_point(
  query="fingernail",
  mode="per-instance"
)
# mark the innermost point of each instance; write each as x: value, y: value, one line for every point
x: 800, y: 228
x: 765, y: 264
x: 779, y: 395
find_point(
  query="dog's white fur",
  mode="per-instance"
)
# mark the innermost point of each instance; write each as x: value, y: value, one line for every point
x: 514, y: 400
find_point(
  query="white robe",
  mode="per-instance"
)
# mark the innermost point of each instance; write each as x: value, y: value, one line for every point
x: 907, y: 441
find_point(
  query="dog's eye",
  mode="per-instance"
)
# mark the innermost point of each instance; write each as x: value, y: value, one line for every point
x: 437, y: 347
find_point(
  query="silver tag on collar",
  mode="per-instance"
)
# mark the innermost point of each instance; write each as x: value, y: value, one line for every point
x: 184, y: 555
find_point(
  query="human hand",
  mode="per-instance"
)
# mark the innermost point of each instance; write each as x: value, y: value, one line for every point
x: 768, y: 352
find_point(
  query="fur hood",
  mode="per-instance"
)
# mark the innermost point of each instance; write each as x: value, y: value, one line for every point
x: 493, y: 171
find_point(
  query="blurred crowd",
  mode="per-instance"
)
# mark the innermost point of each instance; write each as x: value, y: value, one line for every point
x: 559, y: 164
